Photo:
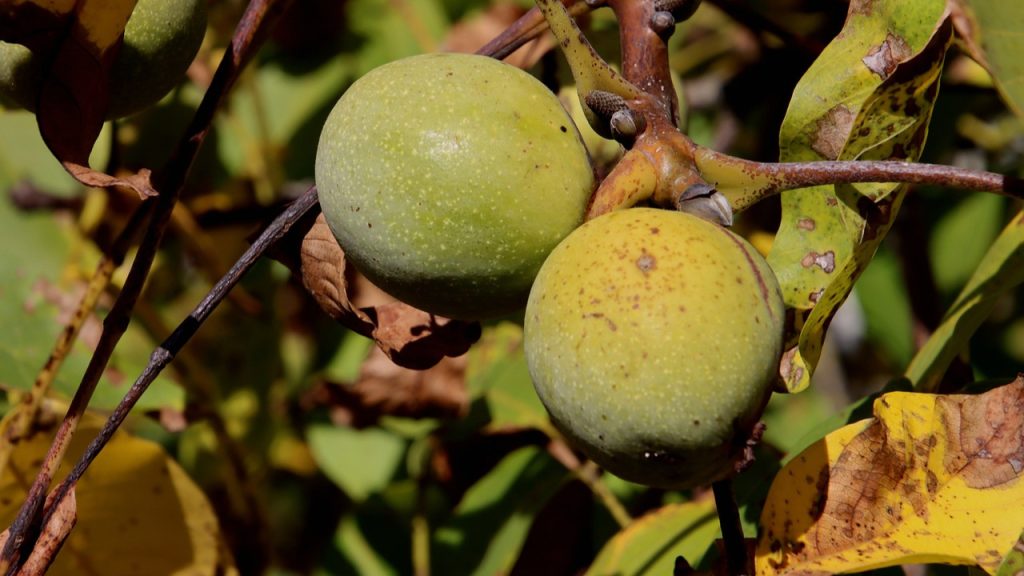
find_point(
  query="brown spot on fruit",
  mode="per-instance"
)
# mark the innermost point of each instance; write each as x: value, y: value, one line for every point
x: 646, y: 263
x: 883, y: 59
x: 831, y: 132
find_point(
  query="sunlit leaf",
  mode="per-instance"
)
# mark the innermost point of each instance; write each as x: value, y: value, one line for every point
x: 1001, y: 269
x: 360, y: 462
x: 138, y: 512
x: 650, y: 545
x: 497, y: 375
x: 491, y: 522
x: 868, y: 96
x: 930, y: 479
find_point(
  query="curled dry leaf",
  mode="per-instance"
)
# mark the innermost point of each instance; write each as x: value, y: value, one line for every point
x: 410, y: 337
x: 80, y: 40
x: 386, y: 389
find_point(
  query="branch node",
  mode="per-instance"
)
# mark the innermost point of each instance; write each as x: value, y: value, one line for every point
x: 663, y: 23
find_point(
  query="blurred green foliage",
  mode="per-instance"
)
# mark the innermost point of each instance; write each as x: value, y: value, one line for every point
x: 488, y: 490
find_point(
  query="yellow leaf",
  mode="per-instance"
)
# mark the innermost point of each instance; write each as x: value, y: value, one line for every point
x: 930, y: 479
x: 138, y: 512
x: 102, y: 22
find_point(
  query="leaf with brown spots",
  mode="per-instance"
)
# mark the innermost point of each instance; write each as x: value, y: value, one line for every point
x: 410, y: 337
x: 930, y: 479
x: 868, y: 96
x: 80, y: 41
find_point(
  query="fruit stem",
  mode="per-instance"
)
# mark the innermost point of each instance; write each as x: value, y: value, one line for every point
x: 736, y: 557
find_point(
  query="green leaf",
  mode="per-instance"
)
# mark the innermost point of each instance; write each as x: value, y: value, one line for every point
x: 961, y: 238
x: 869, y: 95
x: 36, y: 296
x: 360, y: 462
x: 498, y: 376
x: 492, y: 521
x: 354, y: 554
x: 883, y: 295
x: 1000, y: 29
x: 650, y: 545
x: 1001, y: 269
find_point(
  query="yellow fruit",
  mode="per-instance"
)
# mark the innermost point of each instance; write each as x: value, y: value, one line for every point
x: 448, y: 178
x: 653, y: 338
x: 160, y: 41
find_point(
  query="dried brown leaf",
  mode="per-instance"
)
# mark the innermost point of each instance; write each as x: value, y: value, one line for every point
x: 410, y: 337
x: 387, y: 389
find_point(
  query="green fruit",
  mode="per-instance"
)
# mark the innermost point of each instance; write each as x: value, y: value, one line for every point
x: 448, y: 178
x: 653, y: 338
x: 160, y: 41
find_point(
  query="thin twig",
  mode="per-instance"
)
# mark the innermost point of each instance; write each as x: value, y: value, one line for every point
x: 248, y: 35
x: 732, y: 531
x: 528, y: 27
x: 167, y: 350
x: 590, y: 474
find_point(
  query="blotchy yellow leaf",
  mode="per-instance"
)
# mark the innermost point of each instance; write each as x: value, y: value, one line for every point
x: 138, y: 512
x: 930, y: 479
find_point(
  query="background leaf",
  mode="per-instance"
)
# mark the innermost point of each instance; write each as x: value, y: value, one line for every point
x: 999, y: 28
x: 137, y: 509
x: 650, y: 545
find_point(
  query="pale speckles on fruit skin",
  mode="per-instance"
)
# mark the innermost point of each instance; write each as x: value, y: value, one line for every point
x: 468, y: 183
x: 690, y: 344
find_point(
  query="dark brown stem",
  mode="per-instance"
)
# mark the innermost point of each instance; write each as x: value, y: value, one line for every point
x: 528, y: 27
x: 745, y: 182
x: 645, y: 53
x: 803, y: 174
x: 167, y: 350
x: 732, y: 531
x: 248, y: 35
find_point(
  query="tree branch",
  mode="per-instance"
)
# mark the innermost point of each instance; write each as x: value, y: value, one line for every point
x: 167, y: 350
x: 249, y: 33
x: 745, y: 182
